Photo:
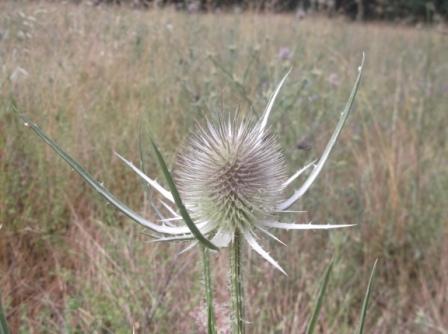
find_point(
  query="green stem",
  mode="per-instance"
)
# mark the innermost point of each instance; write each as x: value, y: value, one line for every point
x: 237, y: 285
x: 211, y: 321
x: 3, y: 324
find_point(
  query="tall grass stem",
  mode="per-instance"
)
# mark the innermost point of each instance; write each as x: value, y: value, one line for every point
x: 365, y: 303
x: 313, y: 321
x: 211, y: 319
x: 3, y: 324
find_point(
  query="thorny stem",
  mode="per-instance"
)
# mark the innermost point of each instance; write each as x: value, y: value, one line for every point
x: 237, y: 285
x: 211, y: 321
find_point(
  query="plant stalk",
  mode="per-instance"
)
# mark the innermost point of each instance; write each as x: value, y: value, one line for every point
x: 3, y: 324
x: 237, y: 286
x: 211, y: 320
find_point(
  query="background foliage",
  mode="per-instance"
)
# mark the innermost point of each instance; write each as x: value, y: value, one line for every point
x: 408, y: 10
x: 96, y: 77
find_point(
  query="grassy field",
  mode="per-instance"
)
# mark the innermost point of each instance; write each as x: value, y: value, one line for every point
x: 99, y: 79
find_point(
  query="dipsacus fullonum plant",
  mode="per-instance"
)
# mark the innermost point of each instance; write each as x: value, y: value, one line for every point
x: 233, y: 180
x: 233, y: 184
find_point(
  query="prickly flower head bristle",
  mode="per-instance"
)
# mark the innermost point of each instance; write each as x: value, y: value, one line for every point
x: 231, y: 172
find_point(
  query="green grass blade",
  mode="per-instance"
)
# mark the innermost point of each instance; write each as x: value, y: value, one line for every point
x: 183, y: 211
x: 211, y: 319
x: 89, y: 178
x: 3, y: 324
x: 313, y: 321
x: 365, y: 303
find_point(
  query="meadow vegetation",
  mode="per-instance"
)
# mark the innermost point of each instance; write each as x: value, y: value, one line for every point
x: 98, y: 79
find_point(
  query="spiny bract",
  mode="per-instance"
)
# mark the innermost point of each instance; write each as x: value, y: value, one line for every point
x: 232, y: 177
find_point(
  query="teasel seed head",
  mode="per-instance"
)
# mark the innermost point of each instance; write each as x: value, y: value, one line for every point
x: 231, y: 172
x: 231, y: 176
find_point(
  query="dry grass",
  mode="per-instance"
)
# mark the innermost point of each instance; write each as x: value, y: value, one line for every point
x: 95, y: 77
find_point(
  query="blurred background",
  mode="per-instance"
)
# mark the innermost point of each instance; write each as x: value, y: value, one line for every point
x: 97, y: 76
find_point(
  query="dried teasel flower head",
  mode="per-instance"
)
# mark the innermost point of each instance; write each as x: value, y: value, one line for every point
x: 232, y: 181
x: 232, y: 172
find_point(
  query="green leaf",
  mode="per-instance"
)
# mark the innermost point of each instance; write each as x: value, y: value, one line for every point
x: 313, y: 321
x: 99, y: 188
x: 3, y: 324
x: 366, y: 299
x: 330, y: 145
x: 183, y: 211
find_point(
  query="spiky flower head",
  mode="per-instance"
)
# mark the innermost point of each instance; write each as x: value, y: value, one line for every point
x: 231, y: 173
x: 231, y: 177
